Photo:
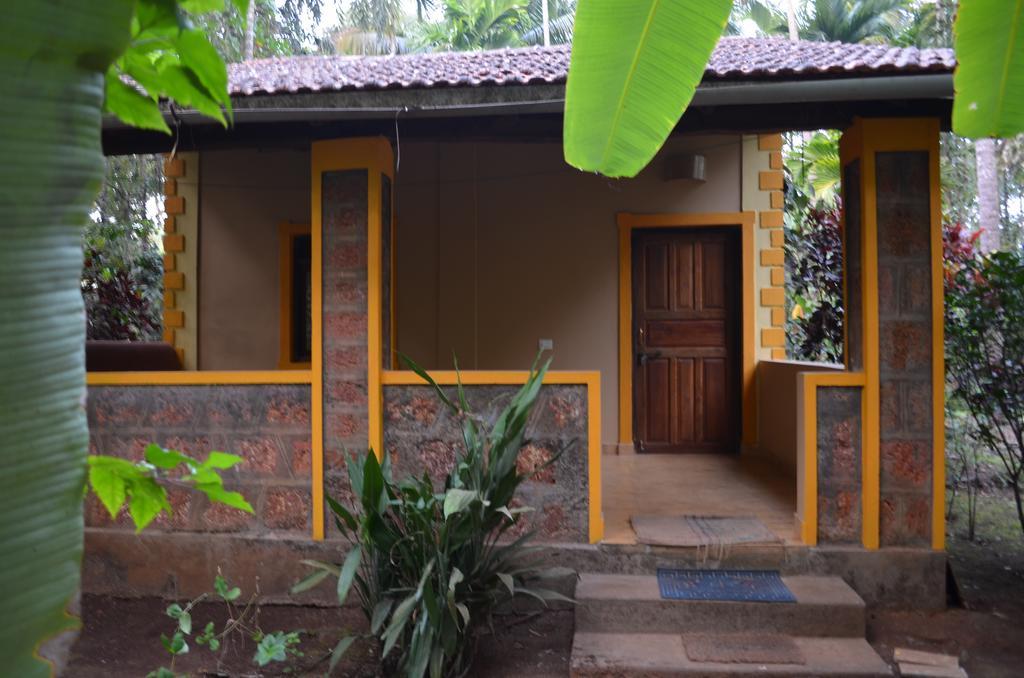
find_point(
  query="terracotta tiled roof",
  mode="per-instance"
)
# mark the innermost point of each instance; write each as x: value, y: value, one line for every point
x: 733, y: 59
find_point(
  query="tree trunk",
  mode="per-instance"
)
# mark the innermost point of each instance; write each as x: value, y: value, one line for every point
x: 988, y: 193
x: 52, y: 63
x: 791, y: 22
x: 250, y: 30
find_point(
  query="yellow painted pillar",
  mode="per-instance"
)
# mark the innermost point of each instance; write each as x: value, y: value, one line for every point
x: 892, y: 225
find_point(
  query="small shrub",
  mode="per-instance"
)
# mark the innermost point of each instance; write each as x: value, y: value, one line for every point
x: 429, y: 568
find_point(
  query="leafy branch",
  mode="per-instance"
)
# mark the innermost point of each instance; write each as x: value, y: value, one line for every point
x: 117, y: 481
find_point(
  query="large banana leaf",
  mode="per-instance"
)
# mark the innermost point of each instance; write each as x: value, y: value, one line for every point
x: 52, y: 59
x: 989, y: 79
x: 635, y: 66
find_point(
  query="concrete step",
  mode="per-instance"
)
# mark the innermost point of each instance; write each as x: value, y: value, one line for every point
x: 660, y: 655
x: 620, y: 603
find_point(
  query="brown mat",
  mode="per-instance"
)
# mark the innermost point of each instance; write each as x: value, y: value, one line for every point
x: 742, y: 648
x: 700, y: 531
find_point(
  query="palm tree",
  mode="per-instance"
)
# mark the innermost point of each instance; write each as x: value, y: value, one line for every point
x: 853, y: 20
x: 768, y: 20
x: 475, y: 24
x: 561, y: 14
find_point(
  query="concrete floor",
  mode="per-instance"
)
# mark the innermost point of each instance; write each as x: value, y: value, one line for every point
x: 695, y: 484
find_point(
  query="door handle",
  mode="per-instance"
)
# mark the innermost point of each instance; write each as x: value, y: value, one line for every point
x: 644, y: 356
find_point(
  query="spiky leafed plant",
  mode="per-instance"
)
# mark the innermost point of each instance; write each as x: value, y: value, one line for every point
x: 853, y: 21
x: 475, y: 24
x: 429, y: 568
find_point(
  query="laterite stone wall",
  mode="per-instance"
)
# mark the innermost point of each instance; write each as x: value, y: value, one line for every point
x: 346, y: 415
x: 840, y: 495
x: 267, y: 425
x: 905, y: 347
x: 421, y: 434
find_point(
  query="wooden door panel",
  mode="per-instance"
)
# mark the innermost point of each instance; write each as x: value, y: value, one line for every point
x: 685, y: 333
x: 685, y: 323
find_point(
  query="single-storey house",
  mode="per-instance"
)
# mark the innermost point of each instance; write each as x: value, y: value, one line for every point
x: 364, y: 206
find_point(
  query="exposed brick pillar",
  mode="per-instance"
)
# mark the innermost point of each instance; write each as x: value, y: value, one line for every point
x: 894, y: 324
x: 351, y: 203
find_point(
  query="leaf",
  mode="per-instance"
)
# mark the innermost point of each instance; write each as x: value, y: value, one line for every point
x: 398, y: 620
x: 174, y: 610
x: 221, y: 460
x: 109, y: 487
x: 310, y: 581
x: 634, y: 68
x: 989, y: 77
x: 342, y: 513
x: 132, y: 107
x: 271, y: 648
x: 199, y: 56
x: 202, y: 6
x: 508, y: 581
x: 185, y: 622
x: 146, y: 499
x: 348, y: 572
x: 220, y: 585
x: 165, y: 459
x: 456, y: 500
x: 339, y: 651
x: 182, y: 85
x: 217, y: 493
x: 380, y: 613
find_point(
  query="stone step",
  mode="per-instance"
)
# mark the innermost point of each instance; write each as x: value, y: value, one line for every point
x: 660, y: 655
x: 618, y: 603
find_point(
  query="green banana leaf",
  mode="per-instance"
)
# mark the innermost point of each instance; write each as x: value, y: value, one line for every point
x: 52, y: 60
x: 635, y: 66
x: 989, y: 79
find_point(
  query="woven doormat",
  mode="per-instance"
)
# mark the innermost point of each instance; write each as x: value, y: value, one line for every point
x: 700, y: 531
x: 742, y: 648
x: 751, y: 586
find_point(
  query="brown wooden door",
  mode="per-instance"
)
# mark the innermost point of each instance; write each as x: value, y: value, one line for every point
x: 686, y: 319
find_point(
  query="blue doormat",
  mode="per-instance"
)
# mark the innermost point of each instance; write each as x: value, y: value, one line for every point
x: 759, y: 586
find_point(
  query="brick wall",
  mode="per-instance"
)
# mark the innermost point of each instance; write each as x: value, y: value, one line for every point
x: 423, y: 435
x: 905, y: 347
x: 840, y: 495
x: 267, y: 425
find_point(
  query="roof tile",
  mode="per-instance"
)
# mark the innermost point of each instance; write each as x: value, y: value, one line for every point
x: 733, y: 59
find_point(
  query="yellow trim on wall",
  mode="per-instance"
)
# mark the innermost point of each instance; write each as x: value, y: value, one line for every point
x: 199, y: 378
x: 590, y: 379
x: 745, y: 222
x: 286, y: 234
x: 808, y: 390
x: 375, y: 156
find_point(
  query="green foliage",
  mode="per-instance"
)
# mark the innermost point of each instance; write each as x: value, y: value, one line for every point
x: 985, y: 355
x: 122, y: 282
x: 116, y: 481
x: 167, y: 58
x: 635, y: 66
x: 989, y: 79
x: 429, y: 567
x: 475, y: 24
x: 241, y: 623
x: 853, y: 20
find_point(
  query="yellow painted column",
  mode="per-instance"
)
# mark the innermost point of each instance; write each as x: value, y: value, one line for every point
x: 893, y: 231
x: 351, y: 200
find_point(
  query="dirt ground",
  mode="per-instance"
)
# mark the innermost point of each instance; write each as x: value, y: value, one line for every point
x: 122, y: 637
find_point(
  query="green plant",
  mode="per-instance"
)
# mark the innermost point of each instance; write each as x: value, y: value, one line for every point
x: 54, y: 65
x: 636, y: 64
x: 985, y: 356
x: 241, y: 623
x: 475, y: 24
x: 117, y: 481
x: 428, y: 567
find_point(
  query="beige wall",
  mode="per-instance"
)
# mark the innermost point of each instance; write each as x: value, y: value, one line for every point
x: 243, y: 197
x: 499, y: 245
x: 778, y: 424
